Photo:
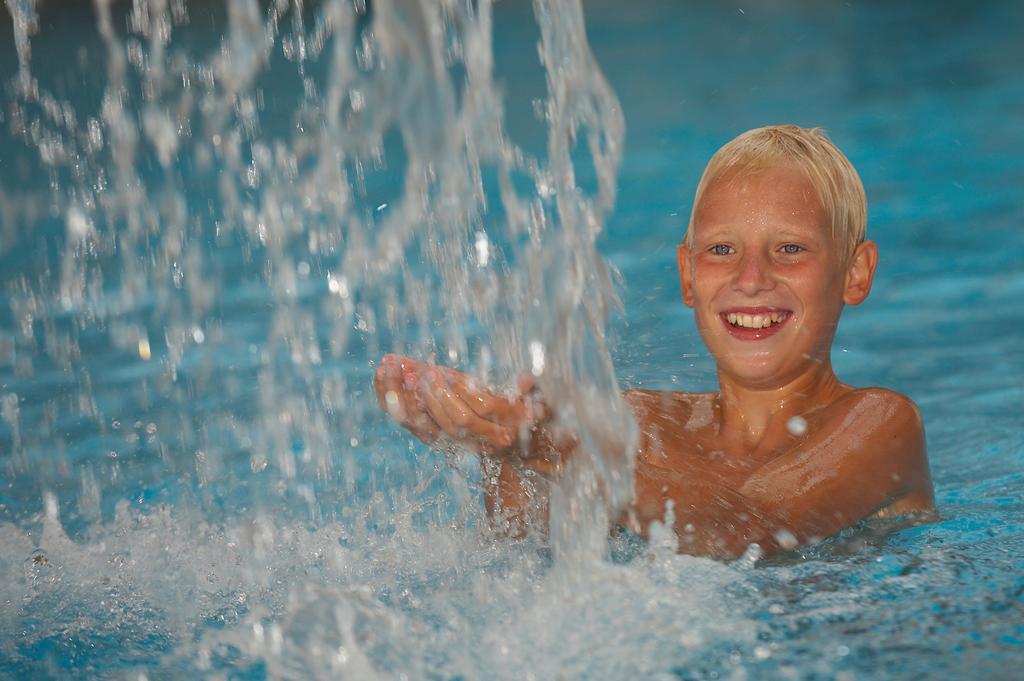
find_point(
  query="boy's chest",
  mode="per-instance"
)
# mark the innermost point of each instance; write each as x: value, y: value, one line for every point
x: 696, y: 459
x: 701, y: 453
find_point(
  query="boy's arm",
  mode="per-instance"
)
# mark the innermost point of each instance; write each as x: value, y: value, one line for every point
x: 513, y: 505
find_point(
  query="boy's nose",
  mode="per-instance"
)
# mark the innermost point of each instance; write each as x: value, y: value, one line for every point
x: 753, y: 276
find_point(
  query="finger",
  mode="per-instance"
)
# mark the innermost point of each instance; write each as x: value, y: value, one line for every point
x: 432, y: 404
x: 411, y: 368
x: 538, y: 410
x: 386, y: 367
x: 485, y: 404
x: 424, y: 428
x: 466, y: 422
x: 378, y: 384
x: 413, y: 374
x: 419, y: 418
x: 388, y: 388
x: 400, y: 402
x: 548, y: 468
x: 526, y: 384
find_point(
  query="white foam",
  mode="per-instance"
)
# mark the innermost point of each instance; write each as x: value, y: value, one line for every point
x: 337, y: 601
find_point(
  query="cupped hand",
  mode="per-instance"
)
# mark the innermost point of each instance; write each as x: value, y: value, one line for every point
x: 395, y: 383
x: 432, y: 402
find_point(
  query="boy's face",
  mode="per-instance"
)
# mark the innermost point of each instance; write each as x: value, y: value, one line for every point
x: 765, y: 278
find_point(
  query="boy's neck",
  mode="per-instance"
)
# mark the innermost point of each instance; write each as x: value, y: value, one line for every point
x: 747, y: 413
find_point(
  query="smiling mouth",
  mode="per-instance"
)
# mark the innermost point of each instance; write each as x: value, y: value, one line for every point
x: 754, y: 324
x: 755, y: 321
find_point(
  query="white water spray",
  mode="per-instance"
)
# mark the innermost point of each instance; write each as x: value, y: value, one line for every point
x: 247, y: 221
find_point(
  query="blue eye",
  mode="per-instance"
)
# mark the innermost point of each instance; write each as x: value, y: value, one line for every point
x: 720, y: 249
x: 792, y: 249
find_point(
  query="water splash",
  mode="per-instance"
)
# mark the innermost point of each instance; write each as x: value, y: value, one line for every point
x: 183, y: 170
x: 426, y: 601
x: 212, y: 238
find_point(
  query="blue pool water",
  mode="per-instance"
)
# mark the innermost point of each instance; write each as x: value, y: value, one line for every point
x: 148, y: 527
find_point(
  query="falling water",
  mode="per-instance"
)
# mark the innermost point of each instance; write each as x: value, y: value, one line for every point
x: 375, y: 204
x: 207, y: 243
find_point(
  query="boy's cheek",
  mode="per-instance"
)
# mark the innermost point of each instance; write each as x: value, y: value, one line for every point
x: 704, y: 319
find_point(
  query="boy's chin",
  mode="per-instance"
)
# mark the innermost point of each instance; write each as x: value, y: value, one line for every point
x: 752, y: 373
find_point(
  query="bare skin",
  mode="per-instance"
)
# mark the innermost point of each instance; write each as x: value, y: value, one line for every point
x: 784, y: 453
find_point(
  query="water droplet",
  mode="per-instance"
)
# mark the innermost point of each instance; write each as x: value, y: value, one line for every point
x: 357, y: 101
x: 786, y: 539
x: 338, y: 286
x: 78, y: 224
x: 51, y: 506
x: 483, y: 249
x: 536, y: 358
x: 797, y: 425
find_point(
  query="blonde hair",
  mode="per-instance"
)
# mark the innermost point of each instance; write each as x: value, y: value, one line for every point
x: 833, y: 177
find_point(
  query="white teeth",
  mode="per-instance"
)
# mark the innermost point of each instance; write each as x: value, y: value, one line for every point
x: 757, y: 321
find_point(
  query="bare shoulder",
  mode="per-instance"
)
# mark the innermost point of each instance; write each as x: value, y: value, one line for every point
x: 863, y: 454
x: 875, y: 398
x: 882, y: 421
x: 878, y: 409
x: 892, y: 431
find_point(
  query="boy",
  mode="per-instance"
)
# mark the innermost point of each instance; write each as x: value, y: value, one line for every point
x: 784, y: 453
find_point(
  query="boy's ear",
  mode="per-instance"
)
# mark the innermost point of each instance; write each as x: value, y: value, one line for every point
x: 685, y: 273
x: 860, y: 273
